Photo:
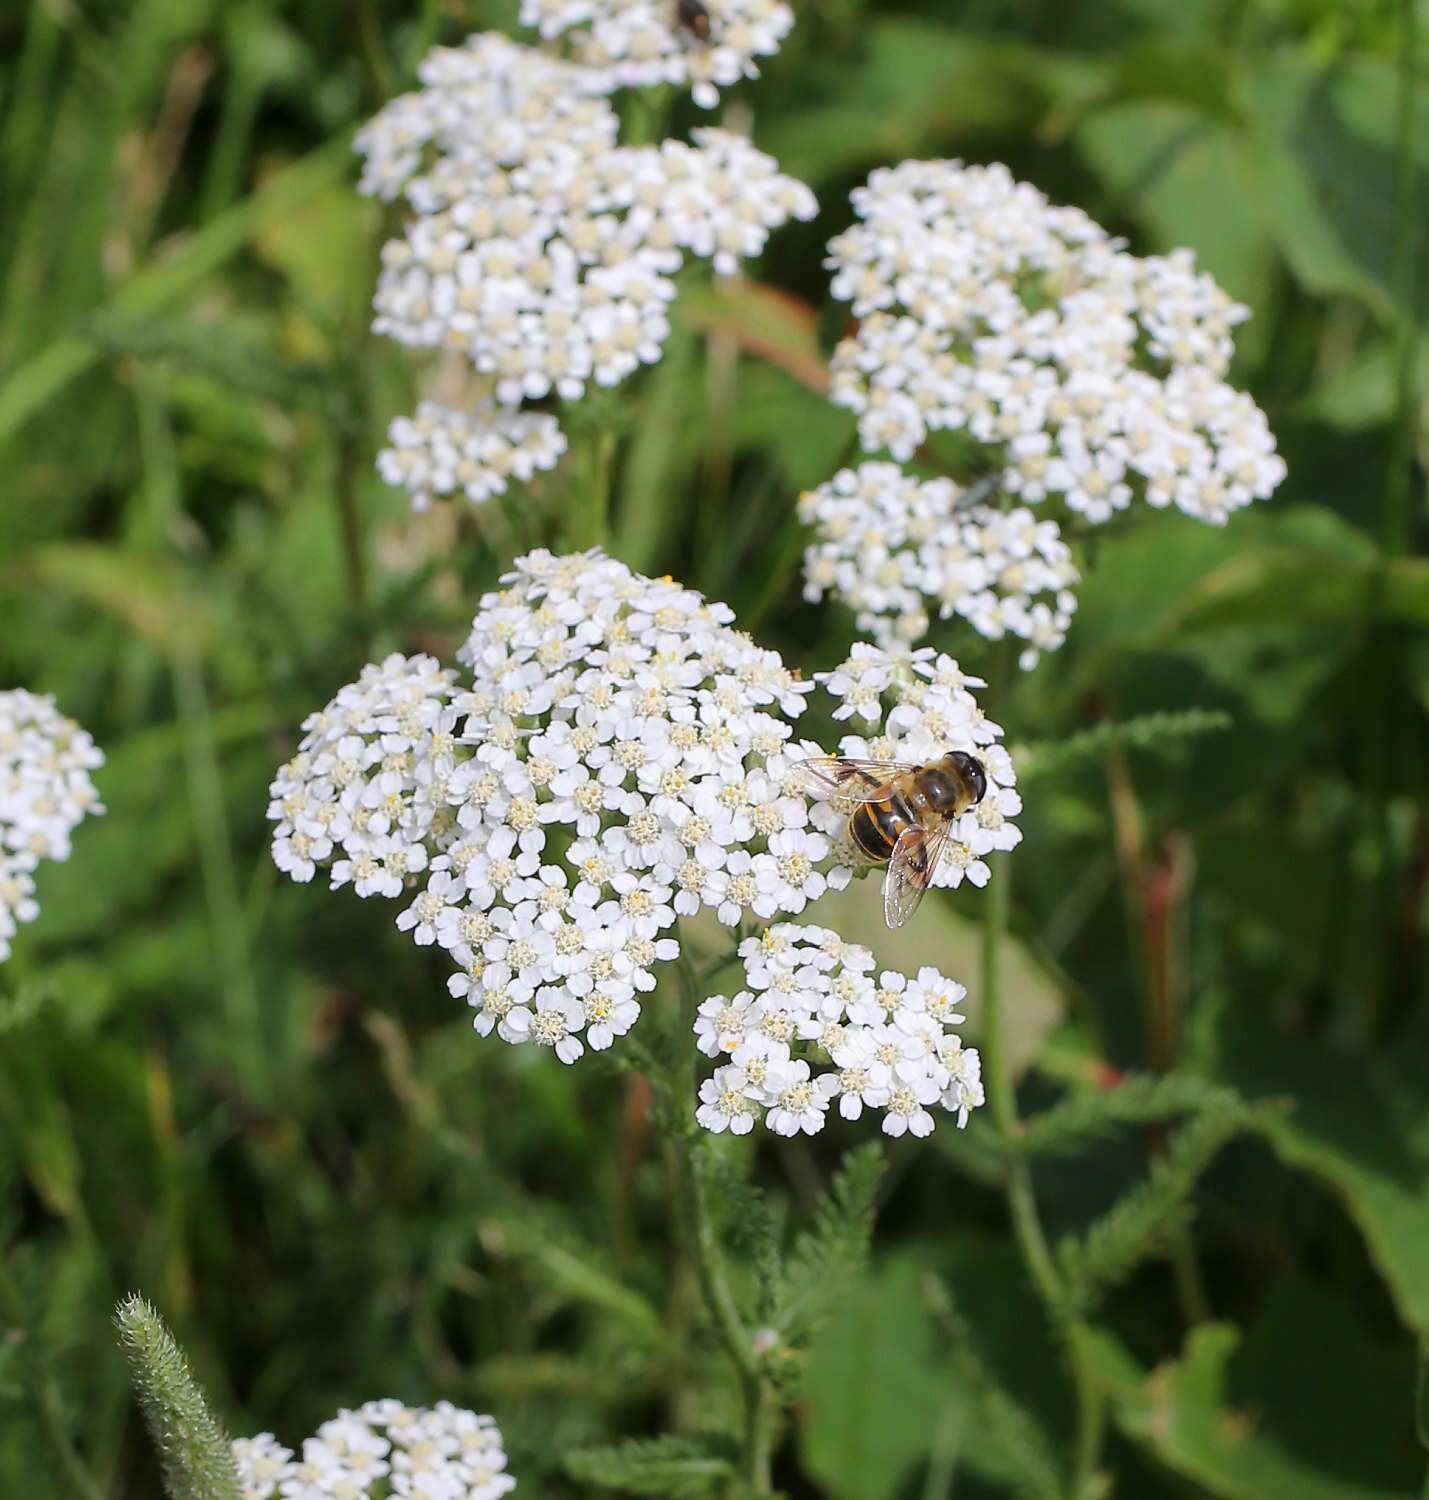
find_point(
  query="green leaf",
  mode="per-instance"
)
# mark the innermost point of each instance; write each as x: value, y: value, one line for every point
x: 873, y: 1388
x: 1303, y: 1405
x: 654, y: 1466
x: 828, y: 1257
x: 1143, y: 1222
x: 1369, y: 1144
x: 1083, y: 1119
x: 1324, y: 144
x: 1148, y: 732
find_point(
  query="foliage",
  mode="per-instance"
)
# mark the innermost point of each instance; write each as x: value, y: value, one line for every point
x: 259, y: 1102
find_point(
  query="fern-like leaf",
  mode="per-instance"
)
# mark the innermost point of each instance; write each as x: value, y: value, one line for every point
x: 835, y: 1249
x: 1083, y: 1119
x: 195, y: 1454
x: 1143, y: 1223
x: 1146, y: 732
x: 655, y: 1466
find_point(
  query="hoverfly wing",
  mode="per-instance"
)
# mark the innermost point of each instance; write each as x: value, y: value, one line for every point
x: 839, y: 779
x: 911, y: 870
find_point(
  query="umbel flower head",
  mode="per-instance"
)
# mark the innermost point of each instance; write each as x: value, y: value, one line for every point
x: 541, y: 249
x: 703, y: 45
x: 45, y: 792
x: 813, y: 1030
x: 895, y: 549
x: 618, y: 760
x: 1094, y: 376
x: 382, y: 1449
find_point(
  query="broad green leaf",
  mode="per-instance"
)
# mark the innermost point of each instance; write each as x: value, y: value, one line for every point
x: 1303, y: 1405
x: 1173, y: 165
x: 1324, y: 145
x: 1368, y: 1143
x: 873, y: 1389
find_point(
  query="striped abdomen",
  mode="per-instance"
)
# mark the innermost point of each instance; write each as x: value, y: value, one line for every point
x: 919, y: 800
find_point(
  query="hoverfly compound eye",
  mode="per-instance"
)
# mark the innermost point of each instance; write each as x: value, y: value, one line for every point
x: 970, y: 768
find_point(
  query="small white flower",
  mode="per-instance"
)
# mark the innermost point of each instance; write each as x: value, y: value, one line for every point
x: 45, y: 792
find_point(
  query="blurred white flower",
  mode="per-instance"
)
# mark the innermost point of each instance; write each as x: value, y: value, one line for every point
x: 895, y: 549
x: 916, y: 706
x: 540, y: 248
x: 703, y: 45
x: 814, y: 1030
x: 45, y: 792
x: 380, y: 1450
x: 1092, y: 374
x: 439, y: 451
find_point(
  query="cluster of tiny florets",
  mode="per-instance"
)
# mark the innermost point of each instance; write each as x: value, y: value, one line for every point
x: 540, y: 248
x: 813, y: 1026
x: 383, y: 1449
x: 895, y: 549
x: 918, y: 705
x: 640, y: 43
x: 367, y: 791
x: 621, y: 758
x: 45, y: 791
x: 441, y: 452
x: 1095, y: 376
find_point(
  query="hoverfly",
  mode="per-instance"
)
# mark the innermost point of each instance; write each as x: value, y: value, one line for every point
x: 694, y: 17
x: 899, y: 815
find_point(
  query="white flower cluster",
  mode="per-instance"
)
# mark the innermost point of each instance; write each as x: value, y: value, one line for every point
x: 441, y: 451
x: 370, y: 780
x: 621, y: 763
x: 918, y: 706
x: 382, y: 1449
x: 540, y: 248
x: 893, y: 548
x: 45, y: 791
x: 812, y: 1026
x: 704, y: 45
x: 1095, y: 375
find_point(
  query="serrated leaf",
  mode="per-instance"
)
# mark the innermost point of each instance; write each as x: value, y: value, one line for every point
x: 1082, y: 1119
x: 827, y: 1258
x: 1147, y: 732
x: 873, y: 1388
x: 655, y: 1466
x: 1141, y: 1224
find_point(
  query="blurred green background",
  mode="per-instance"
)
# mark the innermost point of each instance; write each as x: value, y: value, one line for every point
x: 258, y: 1104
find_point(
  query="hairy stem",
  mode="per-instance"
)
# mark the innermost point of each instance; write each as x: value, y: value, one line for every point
x: 756, y: 1393
x: 1022, y: 1201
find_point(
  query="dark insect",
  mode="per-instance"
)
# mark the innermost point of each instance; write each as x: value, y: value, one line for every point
x: 899, y: 815
x: 694, y: 17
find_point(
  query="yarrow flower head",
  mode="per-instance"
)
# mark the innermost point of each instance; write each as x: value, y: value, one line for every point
x: 703, y: 45
x: 541, y: 249
x: 895, y: 549
x: 619, y: 762
x: 45, y: 792
x: 914, y: 707
x: 1093, y: 375
x: 367, y: 791
x: 813, y: 1029
x: 382, y: 1449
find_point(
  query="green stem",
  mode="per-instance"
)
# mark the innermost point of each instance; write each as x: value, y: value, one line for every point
x: 756, y: 1393
x: 1397, y: 494
x: 1021, y: 1197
